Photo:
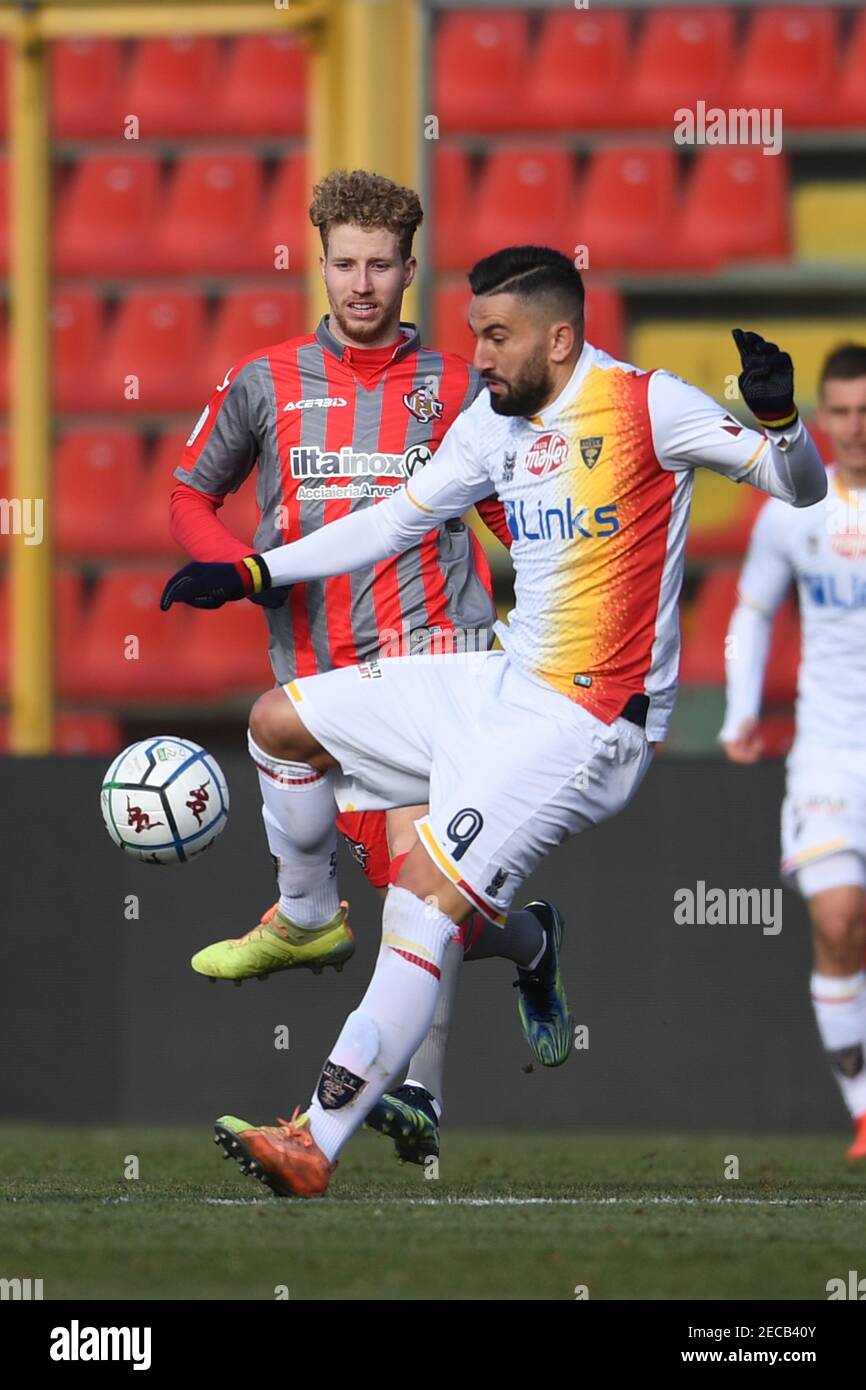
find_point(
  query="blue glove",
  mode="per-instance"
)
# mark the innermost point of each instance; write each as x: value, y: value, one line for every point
x: 211, y: 585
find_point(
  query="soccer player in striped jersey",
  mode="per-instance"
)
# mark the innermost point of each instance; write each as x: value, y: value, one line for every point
x: 823, y: 551
x: 334, y: 422
x: 594, y: 461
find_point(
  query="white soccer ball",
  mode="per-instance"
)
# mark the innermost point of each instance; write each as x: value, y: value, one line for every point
x: 164, y: 800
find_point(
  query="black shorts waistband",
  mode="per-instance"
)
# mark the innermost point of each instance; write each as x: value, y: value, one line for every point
x: 635, y: 710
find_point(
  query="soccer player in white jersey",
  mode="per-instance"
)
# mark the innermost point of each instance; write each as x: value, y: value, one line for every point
x: 518, y: 749
x: 823, y: 551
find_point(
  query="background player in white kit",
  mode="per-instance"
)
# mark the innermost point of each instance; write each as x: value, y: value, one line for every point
x: 823, y: 551
x: 594, y: 460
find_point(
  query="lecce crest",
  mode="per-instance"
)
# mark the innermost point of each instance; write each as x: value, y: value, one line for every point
x: 590, y: 449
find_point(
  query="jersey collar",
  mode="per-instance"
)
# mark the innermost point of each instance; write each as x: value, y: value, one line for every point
x: 550, y: 412
x: 411, y: 341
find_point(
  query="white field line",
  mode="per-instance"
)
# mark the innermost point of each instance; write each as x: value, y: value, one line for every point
x: 659, y: 1200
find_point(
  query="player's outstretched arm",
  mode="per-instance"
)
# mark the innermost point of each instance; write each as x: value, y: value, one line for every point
x: 690, y: 429
x: 458, y: 481
x: 764, y: 581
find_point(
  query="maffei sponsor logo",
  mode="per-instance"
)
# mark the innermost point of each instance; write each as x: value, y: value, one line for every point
x: 548, y: 453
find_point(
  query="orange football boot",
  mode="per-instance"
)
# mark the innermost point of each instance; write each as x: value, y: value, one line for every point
x: 858, y: 1148
x: 285, y: 1156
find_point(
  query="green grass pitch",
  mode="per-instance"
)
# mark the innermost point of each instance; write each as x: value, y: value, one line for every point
x: 513, y: 1214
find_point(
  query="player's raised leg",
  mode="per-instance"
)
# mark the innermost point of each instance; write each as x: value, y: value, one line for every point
x: 307, y: 926
x: 297, y: 1157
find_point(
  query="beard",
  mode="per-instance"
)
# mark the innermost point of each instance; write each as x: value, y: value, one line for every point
x: 357, y: 331
x: 528, y: 392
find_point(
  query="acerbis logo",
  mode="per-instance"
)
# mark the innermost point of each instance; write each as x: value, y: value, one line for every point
x: 308, y: 461
x: 540, y: 523
x: 548, y: 453
x: 320, y: 403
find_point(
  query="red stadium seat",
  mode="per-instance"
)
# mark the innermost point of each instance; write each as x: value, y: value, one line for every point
x: 251, y: 319
x: 67, y: 624
x: 4, y: 216
x: 264, y: 89
x: 454, y: 209
x: 284, y: 221
x: 790, y: 61
x: 604, y: 312
x: 212, y: 208
x: 4, y: 88
x: 848, y: 105
x: 578, y: 73
x: 172, y: 83
x: 78, y: 328
x: 132, y: 651
x: 479, y: 68
x: 626, y: 207
x: 154, y: 338
x: 152, y: 536
x: 4, y: 364
x: 703, y: 658
x: 97, y: 479
x: 735, y: 208
x: 229, y: 653
x: 87, y: 88
x: 449, y: 330
x: 525, y: 195
x: 107, y: 216
x: 682, y: 56
x: 5, y: 483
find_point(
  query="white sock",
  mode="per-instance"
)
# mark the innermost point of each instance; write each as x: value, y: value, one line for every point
x: 840, y: 1011
x: 427, y: 1065
x: 378, y: 1039
x: 299, y: 813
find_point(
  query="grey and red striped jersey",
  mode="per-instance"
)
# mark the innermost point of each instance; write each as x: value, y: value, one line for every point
x: 327, y: 442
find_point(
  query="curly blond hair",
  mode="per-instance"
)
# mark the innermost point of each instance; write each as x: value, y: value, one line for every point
x: 366, y: 200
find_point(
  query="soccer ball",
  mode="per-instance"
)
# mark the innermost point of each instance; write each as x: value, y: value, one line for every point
x: 164, y: 800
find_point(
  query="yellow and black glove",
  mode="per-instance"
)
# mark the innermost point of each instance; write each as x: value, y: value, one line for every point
x: 766, y: 381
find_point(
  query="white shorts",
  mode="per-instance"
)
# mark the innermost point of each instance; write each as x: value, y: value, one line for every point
x: 824, y: 811
x: 509, y: 768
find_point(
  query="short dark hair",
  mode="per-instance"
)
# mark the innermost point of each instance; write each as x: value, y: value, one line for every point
x: 531, y: 272
x: 844, y: 363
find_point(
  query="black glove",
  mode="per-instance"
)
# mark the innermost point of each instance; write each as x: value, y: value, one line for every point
x: 212, y: 585
x: 766, y: 381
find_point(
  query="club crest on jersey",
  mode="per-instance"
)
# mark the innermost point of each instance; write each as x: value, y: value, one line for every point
x: 424, y: 405
x: 590, y: 449
x: 548, y: 453
x: 508, y: 466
